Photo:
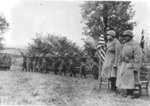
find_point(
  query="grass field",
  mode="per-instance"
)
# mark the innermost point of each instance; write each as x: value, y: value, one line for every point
x: 28, y: 88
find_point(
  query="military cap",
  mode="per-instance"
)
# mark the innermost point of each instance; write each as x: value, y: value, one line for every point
x: 111, y: 32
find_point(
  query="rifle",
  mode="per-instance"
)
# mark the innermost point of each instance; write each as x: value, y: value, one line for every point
x: 21, y: 52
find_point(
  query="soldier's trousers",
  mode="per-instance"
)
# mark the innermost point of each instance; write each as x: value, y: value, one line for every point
x: 56, y: 71
x: 24, y: 68
x: 113, y: 83
x: 83, y: 73
x: 73, y: 73
x: 63, y: 71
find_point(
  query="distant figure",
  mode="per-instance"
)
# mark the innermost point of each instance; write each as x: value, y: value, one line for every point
x: 43, y: 68
x: 57, y: 63
x: 72, y: 68
x: 83, y: 68
x: 34, y: 64
x: 63, y: 67
x: 39, y: 64
x: 95, y: 68
x: 24, y: 67
x: 28, y: 63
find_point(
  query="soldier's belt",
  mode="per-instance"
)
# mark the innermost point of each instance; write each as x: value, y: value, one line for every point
x: 128, y: 61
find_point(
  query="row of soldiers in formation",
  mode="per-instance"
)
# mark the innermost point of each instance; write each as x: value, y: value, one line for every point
x: 62, y: 64
x: 122, y: 63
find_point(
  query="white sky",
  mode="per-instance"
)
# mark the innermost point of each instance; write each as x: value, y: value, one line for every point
x: 26, y: 17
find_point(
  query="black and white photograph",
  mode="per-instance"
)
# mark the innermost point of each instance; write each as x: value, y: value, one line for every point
x: 74, y: 53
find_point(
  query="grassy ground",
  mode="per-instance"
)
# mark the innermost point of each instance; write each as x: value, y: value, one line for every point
x: 24, y: 88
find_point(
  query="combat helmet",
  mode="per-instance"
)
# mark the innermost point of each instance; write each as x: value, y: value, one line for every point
x: 111, y: 32
x: 129, y: 33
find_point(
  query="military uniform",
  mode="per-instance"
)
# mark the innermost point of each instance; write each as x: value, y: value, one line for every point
x: 39, y: 63
x: 34, y: 65
x: 111, y: 59
x: 72, y: 68
x: 28, y: 63
x: 44, y: 65
x: 57, y: 63
x: 109, y: 68
x: 95, y: 68
x: 24, y: 67
x: 83, y: 67
x: 129, y: 66
x: 63, y: 67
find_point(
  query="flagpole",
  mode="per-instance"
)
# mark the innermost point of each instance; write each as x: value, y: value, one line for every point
x: 100, y: 70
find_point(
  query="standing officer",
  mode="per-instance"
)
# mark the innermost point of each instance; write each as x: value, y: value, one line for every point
x: 130, y: 63
x: 110, y: 65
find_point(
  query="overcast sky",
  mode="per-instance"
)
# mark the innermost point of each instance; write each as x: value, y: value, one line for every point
x: 26, y: 17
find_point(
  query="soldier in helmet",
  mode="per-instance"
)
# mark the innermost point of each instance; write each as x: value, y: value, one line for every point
x: 83, y: 67
x: 24, y: 68
x: 130, y: 63
x: 39, y: 63
x: 95, y: 68
x: 63, y: 67
x: 110, y: 64
x: 34, y: 63
x: 57, y: 63
x: 43, y: 67
x: 28, y: 63
x: 72, y: 67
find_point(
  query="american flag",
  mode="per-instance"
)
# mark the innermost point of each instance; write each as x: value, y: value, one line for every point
x: 142, y: 41
x: 101, y: 48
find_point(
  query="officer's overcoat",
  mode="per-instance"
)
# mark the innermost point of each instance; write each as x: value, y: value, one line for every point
x: 111, y: 59
x: 129, y: 67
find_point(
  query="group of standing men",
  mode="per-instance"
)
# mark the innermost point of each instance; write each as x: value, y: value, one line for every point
x: 122, y: 62
x: 72, y: 64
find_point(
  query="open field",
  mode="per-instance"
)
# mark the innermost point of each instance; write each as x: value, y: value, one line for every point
x: 28, y: 88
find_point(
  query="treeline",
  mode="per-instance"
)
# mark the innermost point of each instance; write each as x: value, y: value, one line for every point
x: 52, y: 44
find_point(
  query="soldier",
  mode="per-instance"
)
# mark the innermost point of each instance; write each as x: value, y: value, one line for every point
x: 130, y: 63
x: 40, y: 63
x: 95, y: 68
x: 110, y: 65
x: 72, y: 67
x: 49, y: 64
x: 9, y: 62
x: 24, y: 67
x: 63, y: 67
x: 43, y: 65
x: 34, y: 64
x: 31, y: 63
x: 38, y: 66
x: 57, y: 63
x: 28, y: 63
x: 83, y: 67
